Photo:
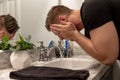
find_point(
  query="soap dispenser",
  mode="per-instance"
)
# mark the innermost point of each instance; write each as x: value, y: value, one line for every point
x: 43, y: 51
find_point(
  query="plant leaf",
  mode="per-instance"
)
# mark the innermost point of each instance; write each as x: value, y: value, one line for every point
x: 4, y: 44
x: 23, y: 45
x: 5, y: 38
x: 21, y: 38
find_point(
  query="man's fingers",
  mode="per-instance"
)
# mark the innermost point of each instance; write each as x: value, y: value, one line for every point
x: 63, y: 22
x: 56, y: 25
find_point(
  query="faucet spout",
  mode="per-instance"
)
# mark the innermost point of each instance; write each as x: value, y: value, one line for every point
x: 60, y: 52
x: 50, y: 53
x: 54, y: 52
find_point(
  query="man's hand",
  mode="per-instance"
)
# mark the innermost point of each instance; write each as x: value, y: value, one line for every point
x: 64, y: 30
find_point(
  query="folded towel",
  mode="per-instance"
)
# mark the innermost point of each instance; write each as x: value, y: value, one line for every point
x: 49, y: 73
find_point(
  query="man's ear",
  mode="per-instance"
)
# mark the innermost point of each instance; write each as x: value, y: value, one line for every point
x: 62, y: 18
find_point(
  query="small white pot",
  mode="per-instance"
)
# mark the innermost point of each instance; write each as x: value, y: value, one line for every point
x: 23, y: 58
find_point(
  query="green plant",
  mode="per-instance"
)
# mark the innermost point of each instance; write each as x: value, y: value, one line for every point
x: 23, y: 44
x: 4, y: 44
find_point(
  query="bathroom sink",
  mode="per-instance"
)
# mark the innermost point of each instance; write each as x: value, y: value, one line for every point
x: 68, y: 63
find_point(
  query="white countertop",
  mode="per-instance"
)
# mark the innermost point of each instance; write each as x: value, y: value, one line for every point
x: 4, y: 74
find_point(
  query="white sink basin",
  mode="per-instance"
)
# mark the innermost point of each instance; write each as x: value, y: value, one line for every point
x: 68, y: 63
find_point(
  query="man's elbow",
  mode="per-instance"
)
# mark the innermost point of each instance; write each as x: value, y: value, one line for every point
x: 108, y: 62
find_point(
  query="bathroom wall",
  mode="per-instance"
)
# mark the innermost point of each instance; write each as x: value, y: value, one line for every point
x: 75, y: 4
x: 33, y: 15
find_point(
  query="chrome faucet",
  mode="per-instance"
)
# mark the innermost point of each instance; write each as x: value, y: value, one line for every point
x: 60, y: 51
x: 54, y: 52
x: 51, y: 53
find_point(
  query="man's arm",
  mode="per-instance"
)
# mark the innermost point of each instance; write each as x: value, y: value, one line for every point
x: 103, y: 45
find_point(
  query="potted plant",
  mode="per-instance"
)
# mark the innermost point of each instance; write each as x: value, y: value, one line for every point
x: 5, y: 53
x: 24, y: 53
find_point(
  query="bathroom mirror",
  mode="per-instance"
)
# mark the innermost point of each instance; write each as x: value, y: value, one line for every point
x: 31, y: 15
